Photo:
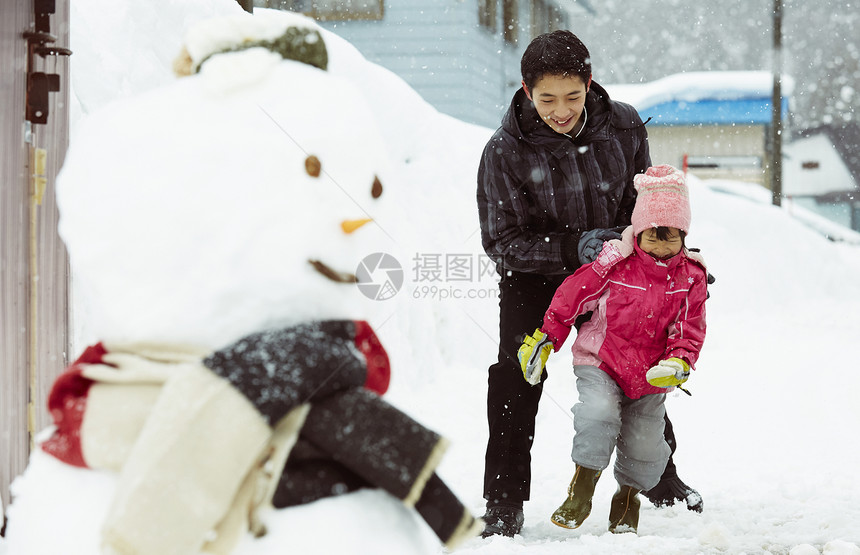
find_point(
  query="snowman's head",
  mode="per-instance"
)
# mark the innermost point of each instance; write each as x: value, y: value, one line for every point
x: 243, y: 197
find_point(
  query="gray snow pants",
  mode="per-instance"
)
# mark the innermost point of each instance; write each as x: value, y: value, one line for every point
x: 605, y: 419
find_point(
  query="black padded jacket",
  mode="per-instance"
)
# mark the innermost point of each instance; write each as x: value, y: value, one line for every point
x: 539, y: 190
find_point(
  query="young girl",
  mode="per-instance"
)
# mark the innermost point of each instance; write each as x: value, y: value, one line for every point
x: 648, y: 301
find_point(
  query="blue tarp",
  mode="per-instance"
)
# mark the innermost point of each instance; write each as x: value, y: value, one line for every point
x: 745, y: 111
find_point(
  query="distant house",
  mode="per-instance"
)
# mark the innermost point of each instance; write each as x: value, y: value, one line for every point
x: 821, y: 172
x: 716, y: 122
x: 461, y: 56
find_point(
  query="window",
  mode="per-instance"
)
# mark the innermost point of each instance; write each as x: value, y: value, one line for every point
x: 487, y: 14
x: 723, y: 162
x: 511, y: 21
x: 329, y: 10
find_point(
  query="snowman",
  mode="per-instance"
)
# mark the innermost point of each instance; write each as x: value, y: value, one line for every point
x: 228, y: 234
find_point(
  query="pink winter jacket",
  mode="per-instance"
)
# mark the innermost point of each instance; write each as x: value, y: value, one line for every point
x: 645, y: 311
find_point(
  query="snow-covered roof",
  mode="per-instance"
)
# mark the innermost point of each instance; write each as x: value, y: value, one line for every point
x: 705, y: 97
x: 845, y: 137
x: 694, y: 86
x: 812, y: 167
x: 823, y: 162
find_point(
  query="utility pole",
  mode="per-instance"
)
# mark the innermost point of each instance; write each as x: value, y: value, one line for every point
x: 776, y: 101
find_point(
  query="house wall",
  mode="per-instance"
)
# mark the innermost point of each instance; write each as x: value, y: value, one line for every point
x: 669, y: 144
x: 14, y: 382
x: 34, y: 283
x: 441, y: 51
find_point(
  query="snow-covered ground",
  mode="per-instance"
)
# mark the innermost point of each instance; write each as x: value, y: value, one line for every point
x: 768, y: 437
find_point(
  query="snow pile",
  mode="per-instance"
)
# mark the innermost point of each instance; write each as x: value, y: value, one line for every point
x: 765, y: 438
x: 826, y: 227
x: 114, y: 59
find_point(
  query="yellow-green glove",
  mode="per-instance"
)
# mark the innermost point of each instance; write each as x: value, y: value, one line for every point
x: 533, y: 354
x: 669, y: 373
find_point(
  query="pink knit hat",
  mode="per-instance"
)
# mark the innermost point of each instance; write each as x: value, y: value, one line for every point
x: 663, y: 199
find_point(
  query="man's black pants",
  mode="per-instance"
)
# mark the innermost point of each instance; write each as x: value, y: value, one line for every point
x: 512, y: 403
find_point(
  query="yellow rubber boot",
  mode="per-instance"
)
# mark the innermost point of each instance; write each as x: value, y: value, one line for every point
x: 624, y: 511
x: 577, y: 506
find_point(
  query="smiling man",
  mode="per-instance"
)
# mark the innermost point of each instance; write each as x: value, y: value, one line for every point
x: 560, y: 101
x: 553, y: 182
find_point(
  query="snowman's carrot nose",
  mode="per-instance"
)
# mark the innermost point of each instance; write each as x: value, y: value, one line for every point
x: 348, y: 226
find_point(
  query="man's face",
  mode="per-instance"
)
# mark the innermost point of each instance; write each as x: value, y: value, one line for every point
x: 559, y: 100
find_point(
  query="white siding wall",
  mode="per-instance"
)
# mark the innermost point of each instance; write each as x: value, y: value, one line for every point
x: 669, y: 143
x: 438, y: 48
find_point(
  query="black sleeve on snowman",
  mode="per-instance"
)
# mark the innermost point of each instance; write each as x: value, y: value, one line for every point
x: 355, y: 439
x: 374, y: 440
x: 278, y: 370
x: 311, y: 474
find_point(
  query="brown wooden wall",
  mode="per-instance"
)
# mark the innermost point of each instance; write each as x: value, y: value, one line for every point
x: 34, y: 306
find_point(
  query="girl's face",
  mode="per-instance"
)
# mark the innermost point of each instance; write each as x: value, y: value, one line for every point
x: 661, y: 249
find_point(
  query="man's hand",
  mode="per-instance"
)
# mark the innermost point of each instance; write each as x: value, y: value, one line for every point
x: 533, y: 354
x: 669, y: 373
x: 591, y: 243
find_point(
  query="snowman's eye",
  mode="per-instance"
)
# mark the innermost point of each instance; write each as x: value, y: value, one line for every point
x: 313, y: 166
x: 376, y: 189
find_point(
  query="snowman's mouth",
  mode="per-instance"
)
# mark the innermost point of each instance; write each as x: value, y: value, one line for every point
x: 332, y: 274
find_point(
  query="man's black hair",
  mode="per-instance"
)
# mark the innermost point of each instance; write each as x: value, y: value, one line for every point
x: 556, y: 53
